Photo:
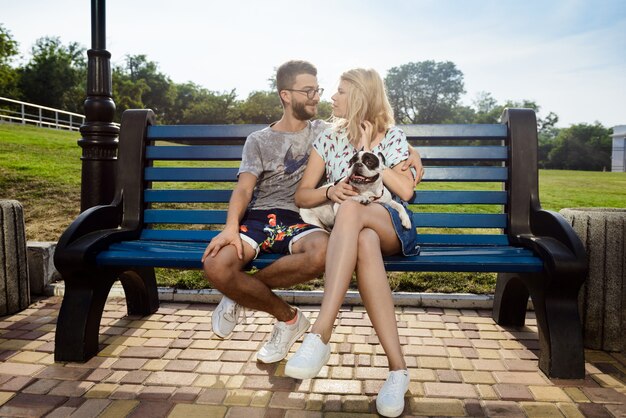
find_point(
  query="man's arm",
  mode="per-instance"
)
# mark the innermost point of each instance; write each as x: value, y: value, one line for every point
x: 239, y: 200
x: 414, y: 161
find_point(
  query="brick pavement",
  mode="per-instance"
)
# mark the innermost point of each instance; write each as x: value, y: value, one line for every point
x: 171, y: 365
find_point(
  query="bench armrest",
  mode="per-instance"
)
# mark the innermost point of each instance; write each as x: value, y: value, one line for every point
x: 546, y: 232
x: 94, y: 230
x: 555, y: 241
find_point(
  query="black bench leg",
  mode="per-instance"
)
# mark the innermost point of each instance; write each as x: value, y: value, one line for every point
x: 142, y: 297
x: 78, y: 324
x: 560, y: 333
x: 510, y: 301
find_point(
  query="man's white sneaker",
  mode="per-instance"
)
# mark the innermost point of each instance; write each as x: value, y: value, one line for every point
x: 225, y: 317
x: 282, y: 338
x: 307, y: 362
x: 390, y: 400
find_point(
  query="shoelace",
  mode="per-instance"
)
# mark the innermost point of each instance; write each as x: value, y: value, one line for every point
x: 393, y: 384
x: 233, y: 312
x: 393, y: 387
x: 276, y: 336
x: 307, y: 348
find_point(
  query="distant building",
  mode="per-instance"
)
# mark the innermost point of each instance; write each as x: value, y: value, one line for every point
x: 618, y: 158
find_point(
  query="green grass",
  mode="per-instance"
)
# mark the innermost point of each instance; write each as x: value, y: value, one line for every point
x: 41, y: 168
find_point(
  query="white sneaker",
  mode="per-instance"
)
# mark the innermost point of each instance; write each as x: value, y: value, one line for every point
x: 307, y: 362
x: 390, y: 400
x: 225, y: 317
x: 282, y: 338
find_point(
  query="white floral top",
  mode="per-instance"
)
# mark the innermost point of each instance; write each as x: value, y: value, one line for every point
x: 336, y: 150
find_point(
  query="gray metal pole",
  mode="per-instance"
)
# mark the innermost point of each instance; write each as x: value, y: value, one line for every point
x: 99, y: 134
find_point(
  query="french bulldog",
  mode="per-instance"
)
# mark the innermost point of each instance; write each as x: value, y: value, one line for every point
x: 365, y: 176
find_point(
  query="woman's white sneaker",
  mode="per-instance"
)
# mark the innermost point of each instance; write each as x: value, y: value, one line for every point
x: 390, y: 400
x: 282, y: 338
x: 307, y: 362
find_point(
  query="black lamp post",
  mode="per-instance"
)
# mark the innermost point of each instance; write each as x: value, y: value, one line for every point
x: 99, y: 134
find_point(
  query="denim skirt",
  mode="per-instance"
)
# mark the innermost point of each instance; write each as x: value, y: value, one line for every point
x: 407, y: 237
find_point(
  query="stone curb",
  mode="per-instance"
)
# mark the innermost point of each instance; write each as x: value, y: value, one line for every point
x: 310, y: 297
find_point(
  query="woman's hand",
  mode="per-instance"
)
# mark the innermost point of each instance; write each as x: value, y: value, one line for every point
x: 367, y: 129
x: 340, y: 192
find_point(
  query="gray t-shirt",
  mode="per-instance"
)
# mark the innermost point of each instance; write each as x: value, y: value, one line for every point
x: 278, y: 160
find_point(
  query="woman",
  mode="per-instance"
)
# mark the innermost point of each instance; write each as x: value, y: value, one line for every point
x: 362, y: 234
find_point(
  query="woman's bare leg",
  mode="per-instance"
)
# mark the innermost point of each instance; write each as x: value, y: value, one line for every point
x: 341, y: 256
x: 377, y: 298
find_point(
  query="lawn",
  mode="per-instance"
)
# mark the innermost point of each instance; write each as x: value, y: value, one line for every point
x: 41, y: 168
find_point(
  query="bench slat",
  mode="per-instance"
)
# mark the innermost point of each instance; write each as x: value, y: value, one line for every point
x: 459, y: 153
x: 196, y: 152
x: 432, y: 132
x: 430, y: 259
x: 456, y: 173
x: 205, y: 236
x: 438, y: 220
x: 444, y: 197
x: 447, y: 197
x: 455, y: 131
x: 233, y: 152
x: 164, y: 132
x: 187, y: 196
x: 165, y: 246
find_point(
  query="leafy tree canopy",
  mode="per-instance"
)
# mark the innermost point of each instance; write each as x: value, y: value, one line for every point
x: 9, y: 77
x: 54, y: 74
x: 425, y: 91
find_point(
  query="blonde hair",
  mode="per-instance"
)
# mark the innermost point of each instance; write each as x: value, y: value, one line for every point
x: 367, y: 100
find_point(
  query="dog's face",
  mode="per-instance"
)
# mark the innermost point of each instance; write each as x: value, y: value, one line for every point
x: 365, y: 168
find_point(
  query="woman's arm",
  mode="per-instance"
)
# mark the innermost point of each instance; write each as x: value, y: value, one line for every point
x: 307, y: 196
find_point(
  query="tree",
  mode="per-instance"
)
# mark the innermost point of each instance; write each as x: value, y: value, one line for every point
x: 582, y: 147
x: 160, y: 92
x: 127, y: 93
x: 425, y: 91
x: 260, y: 107
x: 9, y: 77
x: 55, y: 75
x: 211, y: 108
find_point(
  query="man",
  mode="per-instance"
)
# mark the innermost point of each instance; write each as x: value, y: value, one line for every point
x: 262, y: 216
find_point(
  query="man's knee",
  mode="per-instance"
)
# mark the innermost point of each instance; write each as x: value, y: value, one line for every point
x: 314, y: 247
x: 219, y: 270
x: 318, y: 253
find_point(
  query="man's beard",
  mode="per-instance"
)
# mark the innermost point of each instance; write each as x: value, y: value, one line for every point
x: 300, y: 111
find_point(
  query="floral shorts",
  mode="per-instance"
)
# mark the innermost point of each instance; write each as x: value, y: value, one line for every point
x: 274, y: 231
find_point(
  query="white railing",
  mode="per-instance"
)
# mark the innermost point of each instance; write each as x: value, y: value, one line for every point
x: 27, y: 113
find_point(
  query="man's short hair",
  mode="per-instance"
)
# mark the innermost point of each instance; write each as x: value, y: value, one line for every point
x: 287, y: 73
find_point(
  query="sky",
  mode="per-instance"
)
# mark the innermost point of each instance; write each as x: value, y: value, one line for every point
x: 569, y: 56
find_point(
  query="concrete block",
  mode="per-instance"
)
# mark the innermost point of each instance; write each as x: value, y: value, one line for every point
x: 603, y: 297
x: 14, y: 286
x: 41, y: 266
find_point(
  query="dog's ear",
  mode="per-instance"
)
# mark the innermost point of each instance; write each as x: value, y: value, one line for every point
x: 382, y: 159
x: 353, y: 160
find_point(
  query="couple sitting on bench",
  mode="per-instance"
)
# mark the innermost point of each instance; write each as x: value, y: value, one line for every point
x: 280, y: 169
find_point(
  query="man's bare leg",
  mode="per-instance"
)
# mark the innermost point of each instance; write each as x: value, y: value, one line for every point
x: 224, y: 272
x: 306, y: 262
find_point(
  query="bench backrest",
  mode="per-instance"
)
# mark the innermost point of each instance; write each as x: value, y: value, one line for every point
x: 189, y: 170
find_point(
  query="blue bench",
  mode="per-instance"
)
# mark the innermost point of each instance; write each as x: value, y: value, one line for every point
x: 173, y: 185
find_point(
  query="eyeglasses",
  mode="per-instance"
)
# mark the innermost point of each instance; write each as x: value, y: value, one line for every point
x: 310, y: 93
